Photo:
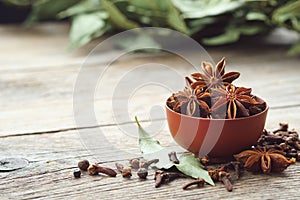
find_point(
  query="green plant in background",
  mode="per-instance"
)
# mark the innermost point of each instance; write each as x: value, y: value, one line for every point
x: 216, y: 22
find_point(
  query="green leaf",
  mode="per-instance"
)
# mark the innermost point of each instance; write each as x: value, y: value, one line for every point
x: 153, y: 5
x: 139, y: 42
x: 204, y: 8
x: 189, y: 165
x: 47, y: 9
x: 152, y: 12
x: 151, y: 149
x: 295, y: 49
x: 175, y: 19
x: 81, y: 7
x: 256, y: 16
x: 230, y: 36
x: 117, y: 18
x: 147, y: 144
x: 251, y: 29
x: 197, y: 25
x: 85, y: 27
x: 289, y: 12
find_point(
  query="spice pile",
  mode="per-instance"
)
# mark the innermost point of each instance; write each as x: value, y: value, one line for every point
x: 211, y: 94
x: 281, y: 139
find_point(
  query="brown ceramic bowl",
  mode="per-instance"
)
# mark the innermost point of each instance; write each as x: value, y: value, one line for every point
x: 216, y: 137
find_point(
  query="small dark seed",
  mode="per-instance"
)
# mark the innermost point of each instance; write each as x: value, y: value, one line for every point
x: 77, y: 173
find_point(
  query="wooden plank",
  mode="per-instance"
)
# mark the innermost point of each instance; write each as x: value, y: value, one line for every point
x: 54, y: 156
x: 42, y: 99
x: 37, y: 88
x: 36, y: 97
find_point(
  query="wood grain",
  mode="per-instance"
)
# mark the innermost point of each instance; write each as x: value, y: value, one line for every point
x: 49, y: 175
x: 41, y: 100
x: 37, y: 79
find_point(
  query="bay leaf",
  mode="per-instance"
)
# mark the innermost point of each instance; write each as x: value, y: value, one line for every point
x: 151, y: 149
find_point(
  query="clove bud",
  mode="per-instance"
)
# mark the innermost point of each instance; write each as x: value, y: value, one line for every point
x: 214, y: 174
x: 282, y: 127
x: 148, y: 163
x: 158, y: 177
x: 83, y: 165
x: 142, y: 173
x: 134, y: 163
x: 223, y: 176
x: 125, y: 171
x: 95, y: 169
x: 162, y: 177
x: 199, y: 182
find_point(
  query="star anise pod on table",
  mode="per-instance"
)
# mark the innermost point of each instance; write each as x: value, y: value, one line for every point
x: 213, y: 78
x: 235, y: 101
x: 262, y: 160
x: 192, y: 102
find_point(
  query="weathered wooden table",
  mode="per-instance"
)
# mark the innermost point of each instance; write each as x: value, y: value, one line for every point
x: 37, y: 77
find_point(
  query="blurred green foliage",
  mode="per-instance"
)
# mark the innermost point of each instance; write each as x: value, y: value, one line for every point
x: 218, y: 22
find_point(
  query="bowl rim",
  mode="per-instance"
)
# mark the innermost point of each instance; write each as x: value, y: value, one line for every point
x: 211, y: 119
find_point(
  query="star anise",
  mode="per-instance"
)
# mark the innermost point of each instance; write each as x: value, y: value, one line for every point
x: 192, y: 102
x: 213, y: 78
x: 261, y: 160
x: 235, y: 101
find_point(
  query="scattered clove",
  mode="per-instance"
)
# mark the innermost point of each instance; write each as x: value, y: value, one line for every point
x: 173, y: 157
x: 148, y: 163
x: 204, y: 161
x: 224, y: 177
x: 95, y: 169
x: 199, y: 182
x: 142, y: 173
x: 214, y: 174
x: 134, y: 163
x: 237, y: 169
x: 162, y: 177
x: 83, y: 165
x: 158, y: 177
x: 125, y: 171
x: 281, y: 139
x: 233, y: 165
x: 282, y: 127
x: 120, y: 167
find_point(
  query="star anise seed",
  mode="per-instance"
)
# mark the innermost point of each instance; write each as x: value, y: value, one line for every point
x: 192, y: 102
x: 262, y: 160
x: 235, y: 101
x: 213, y: 78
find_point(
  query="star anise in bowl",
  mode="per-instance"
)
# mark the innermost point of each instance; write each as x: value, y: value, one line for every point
x: 262, y: 160
x: 214, y: 116
x: 236, y: 101
x: 192, y: 102
x: 213, y: 78
x: 211, y: 94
